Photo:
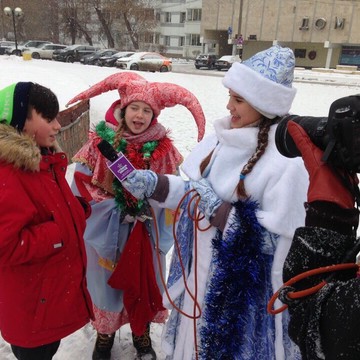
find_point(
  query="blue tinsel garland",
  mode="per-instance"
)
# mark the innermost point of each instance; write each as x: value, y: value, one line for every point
x: 236, y: 324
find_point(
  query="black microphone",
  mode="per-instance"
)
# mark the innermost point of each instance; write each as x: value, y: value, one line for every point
x: 119, y: 165
x: 107, y: 150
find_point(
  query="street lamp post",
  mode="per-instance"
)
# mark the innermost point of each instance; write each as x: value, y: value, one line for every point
x: 17, y: 12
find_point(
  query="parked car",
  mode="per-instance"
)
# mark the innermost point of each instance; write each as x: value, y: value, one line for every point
x: 4, y: 45
x: 109, y: 61
x: 28, y: 44
x: 205, y: 60
x: 145, y: 61
x: 44, y: 52
x: 226, y: 61
x: 93, y: 58
x: 73, y: 53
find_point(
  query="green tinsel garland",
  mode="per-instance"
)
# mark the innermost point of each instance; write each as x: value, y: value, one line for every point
x: 124, y: 200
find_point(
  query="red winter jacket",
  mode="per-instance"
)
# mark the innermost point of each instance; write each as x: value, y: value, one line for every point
x: 43, y: 294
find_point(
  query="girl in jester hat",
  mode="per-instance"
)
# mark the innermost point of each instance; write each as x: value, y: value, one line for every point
x: 252, y: 201
x: 123, y: 274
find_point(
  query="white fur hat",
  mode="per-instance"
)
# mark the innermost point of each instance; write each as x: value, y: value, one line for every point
x: 265, y: 81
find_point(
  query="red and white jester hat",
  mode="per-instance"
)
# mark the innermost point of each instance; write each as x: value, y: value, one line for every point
x: 133, y: 87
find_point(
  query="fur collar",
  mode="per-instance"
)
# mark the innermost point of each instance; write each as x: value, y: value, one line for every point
x: 18, y: 149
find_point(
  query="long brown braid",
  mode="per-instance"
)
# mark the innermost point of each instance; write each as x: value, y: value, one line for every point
x: 263, y: 136
x: 120, y: 130
x: 205, y: 162
x: 119, y: 134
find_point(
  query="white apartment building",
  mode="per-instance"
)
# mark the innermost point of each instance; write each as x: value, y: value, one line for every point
x: 179, y: 27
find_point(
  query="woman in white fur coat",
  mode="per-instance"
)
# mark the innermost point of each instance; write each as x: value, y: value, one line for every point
x: 252, y: 198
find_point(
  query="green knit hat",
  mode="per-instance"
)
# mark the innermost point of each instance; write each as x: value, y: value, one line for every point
x: 14, y: 102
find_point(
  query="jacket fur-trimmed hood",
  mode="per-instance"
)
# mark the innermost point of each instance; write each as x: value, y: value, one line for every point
x: 18, y: 149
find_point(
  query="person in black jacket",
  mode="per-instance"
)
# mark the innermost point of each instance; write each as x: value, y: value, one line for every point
x: 325, y: 322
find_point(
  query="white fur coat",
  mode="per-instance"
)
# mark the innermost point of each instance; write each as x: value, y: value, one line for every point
x: 277, y: 183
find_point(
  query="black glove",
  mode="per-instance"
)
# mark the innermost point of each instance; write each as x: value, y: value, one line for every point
x: 85, y: 205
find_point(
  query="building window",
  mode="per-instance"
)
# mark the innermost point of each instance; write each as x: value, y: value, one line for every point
x: 181, y: 40
x: 350, y: 55
x: 300, y: 53
x: 182, y: 17
x: 168, y: 17
x: 167, y: 40
x: 194, y: 14
x: 194, y: 39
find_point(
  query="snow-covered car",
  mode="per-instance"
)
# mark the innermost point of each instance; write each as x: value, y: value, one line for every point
x: 93, y: 58
x: 4, y: 45
x: 44, y: 52
x: 226, y: 61
x: 205, y: 60
x: 145, y: 61
x: 109, y: 61
x: 29, y: 44
x: 73, y: 53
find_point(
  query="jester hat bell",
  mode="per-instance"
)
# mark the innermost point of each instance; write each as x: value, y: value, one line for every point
x: 158, y: 95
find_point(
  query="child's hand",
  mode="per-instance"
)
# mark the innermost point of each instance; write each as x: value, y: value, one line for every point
x: 209, y: 201
x: 85, y: 205
x: 141, y: 183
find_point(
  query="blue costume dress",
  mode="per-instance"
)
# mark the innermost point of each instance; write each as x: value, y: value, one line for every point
x: 238, y: 269
x: 111, y: 221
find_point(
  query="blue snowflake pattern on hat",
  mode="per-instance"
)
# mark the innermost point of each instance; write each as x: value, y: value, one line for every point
x: 276, y: 64
x: 265, y: 80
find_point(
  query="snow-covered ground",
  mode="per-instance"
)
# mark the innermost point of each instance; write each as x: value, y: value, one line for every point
x: 315, y: 93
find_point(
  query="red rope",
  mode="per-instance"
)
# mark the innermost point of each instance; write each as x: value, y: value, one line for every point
x: 196, y: 219
x: 303, y: 293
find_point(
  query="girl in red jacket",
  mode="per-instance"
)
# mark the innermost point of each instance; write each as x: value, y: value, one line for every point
x: 43, y: 295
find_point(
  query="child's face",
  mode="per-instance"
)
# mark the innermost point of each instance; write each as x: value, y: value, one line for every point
x: 243, y: 114
x: 138, y: 116
x: 42, y: 130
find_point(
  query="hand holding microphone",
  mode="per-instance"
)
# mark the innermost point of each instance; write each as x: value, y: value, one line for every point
x: 119, y: 165
x: 140, y: 183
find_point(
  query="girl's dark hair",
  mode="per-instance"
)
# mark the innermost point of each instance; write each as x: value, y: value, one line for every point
x: 43, y: 101
x: 122, y: 113
x: 263, y: 136
x: 119, y: 134
x: 120, y: 130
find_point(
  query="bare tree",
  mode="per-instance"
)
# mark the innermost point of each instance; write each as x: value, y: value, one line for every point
x: 75, y: 18
x: 92, y: 20
x: 39, y: 20
x: 139, y: 18
x: 68, y: 16
x: 105, y: 13
x: 126, y: 17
